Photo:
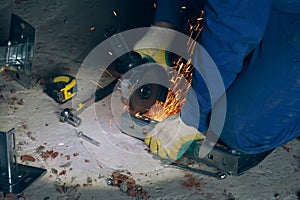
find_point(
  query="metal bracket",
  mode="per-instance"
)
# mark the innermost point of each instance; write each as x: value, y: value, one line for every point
x: 227, y: 160
x: 135, y: 127
x: 14, y: 177
x: 17, y: 55
x: 221, y: 156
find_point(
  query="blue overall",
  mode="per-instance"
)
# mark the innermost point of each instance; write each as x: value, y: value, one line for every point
x: 256, y: 47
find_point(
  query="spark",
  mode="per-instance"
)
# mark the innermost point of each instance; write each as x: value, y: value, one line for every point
x: 92, y: 28
x: 96, y: 83
x: 190, y: 38
x: 197, y: 27
x: 110, y: 53
x: 154, y: 5
x: 110, y: 123
x: 106, y: 71
x: 179, y: 85
x: 183, y: 7
x: 180, y: 82
x: 115, y: 13
x: 201, y: 13
x: 194, y: 42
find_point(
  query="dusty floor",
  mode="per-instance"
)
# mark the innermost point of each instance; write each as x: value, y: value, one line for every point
x: 79, y: 170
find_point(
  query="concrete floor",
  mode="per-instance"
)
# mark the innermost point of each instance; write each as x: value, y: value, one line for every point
x: 66, y: 33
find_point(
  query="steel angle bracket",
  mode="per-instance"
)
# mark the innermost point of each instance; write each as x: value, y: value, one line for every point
x: 136, y: 127
x: 221, y: 157
x: 14, y: 177
x: 227, y: 160
x: 17, y: 55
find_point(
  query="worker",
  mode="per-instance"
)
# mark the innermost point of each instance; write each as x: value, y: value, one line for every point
x: 256, y: 47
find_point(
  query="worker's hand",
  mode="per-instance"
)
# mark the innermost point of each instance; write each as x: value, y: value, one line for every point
x: 171, y: 138
x: 154, y: 44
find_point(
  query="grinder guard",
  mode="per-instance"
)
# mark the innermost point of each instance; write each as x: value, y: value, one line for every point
x: 137, y: 91
x: 144, y: 86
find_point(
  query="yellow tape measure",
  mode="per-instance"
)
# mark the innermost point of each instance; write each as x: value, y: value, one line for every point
x: 61, y: 88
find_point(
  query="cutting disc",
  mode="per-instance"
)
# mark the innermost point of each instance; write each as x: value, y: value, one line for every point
x: 152, y: 85
x: 144, y: 97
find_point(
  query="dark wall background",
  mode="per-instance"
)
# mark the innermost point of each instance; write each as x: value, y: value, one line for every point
x: 67, y: 30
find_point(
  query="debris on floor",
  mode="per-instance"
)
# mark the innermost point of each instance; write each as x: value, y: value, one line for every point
x: 127, y: 184
x: 191, y: 182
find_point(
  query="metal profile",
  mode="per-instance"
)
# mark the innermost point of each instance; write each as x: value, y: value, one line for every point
x: 14, y: 177
x: 17, y: 55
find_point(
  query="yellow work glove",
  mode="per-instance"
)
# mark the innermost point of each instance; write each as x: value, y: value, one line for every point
x: 154, y: 44
x: 171, y: 138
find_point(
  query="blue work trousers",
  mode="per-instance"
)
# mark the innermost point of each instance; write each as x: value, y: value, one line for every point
x: 263, y: 103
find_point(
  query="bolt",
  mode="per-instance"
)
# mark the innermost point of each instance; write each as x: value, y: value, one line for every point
x: 221, y: 175
x: 101, y: 176
x: 67, y: 116
x: 233, y: 151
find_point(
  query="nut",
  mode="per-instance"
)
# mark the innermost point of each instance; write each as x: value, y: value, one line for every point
x: 109, y: 181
